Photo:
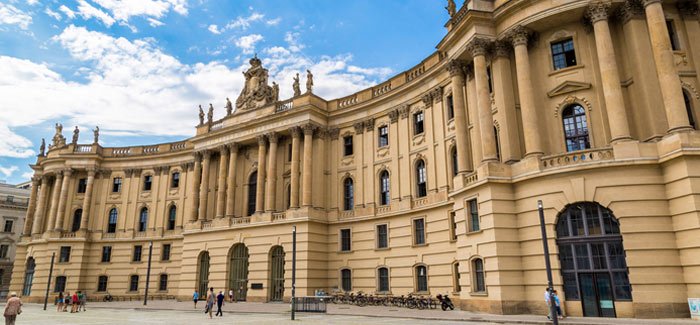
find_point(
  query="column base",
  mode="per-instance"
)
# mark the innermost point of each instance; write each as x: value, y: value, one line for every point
x: 622, y: 139
x: 685, y: 128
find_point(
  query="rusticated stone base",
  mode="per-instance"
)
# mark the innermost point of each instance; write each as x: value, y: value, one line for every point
x: 495, y: 306
x: 661, y: 310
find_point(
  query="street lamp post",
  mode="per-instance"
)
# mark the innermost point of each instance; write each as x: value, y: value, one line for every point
x: 294, y: 269
x: 550, y: 287
x: 48, y: 283
x: 148, y: 272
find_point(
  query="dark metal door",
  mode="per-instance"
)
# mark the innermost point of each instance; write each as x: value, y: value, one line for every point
x: 238, y: 270
x: 276, y: 273
x: 203, y: 275
x: 596, y: 295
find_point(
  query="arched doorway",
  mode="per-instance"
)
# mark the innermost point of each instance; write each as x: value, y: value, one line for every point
x: 592, y: 258
x: 203, y: 275
x: 276, y: 273
x: 28, y: 277
x: 238, y: 271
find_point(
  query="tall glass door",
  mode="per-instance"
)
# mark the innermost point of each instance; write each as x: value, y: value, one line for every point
x: 596, y: 295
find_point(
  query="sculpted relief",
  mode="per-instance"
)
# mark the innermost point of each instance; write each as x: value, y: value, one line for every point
x: 256, y: 92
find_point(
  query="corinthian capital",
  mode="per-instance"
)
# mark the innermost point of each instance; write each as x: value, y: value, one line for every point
x: 478, y: 46
x: 295, y: 131
x: 519, y: 36
x: 455, y: 67
x: 262, y: 141
x: 308, y: 129
x: 689, y: 8
x: 598, y: 11
x: 359, y: 127
x: 272, y: 137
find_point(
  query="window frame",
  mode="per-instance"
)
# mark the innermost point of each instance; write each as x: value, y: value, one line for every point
x: 418, y: 123
x: 117, y: 184
x: 81, y: 187
x: 348, y: 148
x: 134, y: 285
x: 449, y: 107
x: 175, y: 179
x: 421, y: 177
x: 377, y: 236
x: 384, y: 188
x: 11, y: 222
x: 4, y: 250
x: 673, y: 35
x: 577, y: 119
x: 137, y: 254
x: 472, y: 206
x: 452, y: 224
x: 564, y: 53
x: 106, y: 256
x: 143, y: 219
x: 417, y: 278
x: 342, y: 279
x: 112, y: 226
x: 163, y: 286
x: 147, y: 183
x: 171, y: 222
x: 60, y: 286
x: 102, y: 285
x: 379, y: 280
x: 456, y: 278
x: 64, y: 254
x: 348, y: 194
x: 341, y: 244
x: 252, y: 193
x: 478, y: 276
x: 76, y: 220
x: 415, y: 233
x: 166, y: 252
x: 383, y: 136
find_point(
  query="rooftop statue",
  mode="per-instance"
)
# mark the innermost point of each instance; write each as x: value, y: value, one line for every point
x: 295, y: 86
x: 58, y: 139
x: 76, y: 133
x: 201, y: 115
x: 309, y: 81
x: 275, y: 91
x: 96, y: 133
x: 42, y: 148
x: 451, y: 8
x: 229, y: 106
x: 256, y: 92
x: 210, y: 114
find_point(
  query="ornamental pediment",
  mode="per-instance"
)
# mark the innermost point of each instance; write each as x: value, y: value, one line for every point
x: 568, y: 87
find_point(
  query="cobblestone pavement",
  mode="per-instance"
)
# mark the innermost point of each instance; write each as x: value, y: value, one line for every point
x: 174, y: 312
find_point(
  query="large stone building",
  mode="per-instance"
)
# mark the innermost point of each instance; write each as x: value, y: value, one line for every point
x: 427, y: 182
x: 13, y: 207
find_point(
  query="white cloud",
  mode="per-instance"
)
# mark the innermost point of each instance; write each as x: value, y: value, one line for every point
x: 87, y: 11
x: 379, y: 72
x: 67, y: 11
x: 292, y: 39
x: 53, y: 14
x: 32, y: 2
x: 125, y: 9
x: 13, y: 145
x: 155, y: 22
x: 10, y: 15
x: 214, y: 29
x: 27, y: 175
x: 247, y: 43
x: 244, y: 22
x: 7, y: 171
x: 273, y: 22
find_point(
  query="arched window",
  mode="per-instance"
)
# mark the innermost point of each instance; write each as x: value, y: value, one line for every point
x: 112, y: 221
x: 455, y: 163
x: 689, y: 109
x: 172, y: 216
x: 252, y: 192
x: 421, y: 278
x: 575, y: 128
x: 143, y: 219
x: 348, y: 194
x: 77, y: 218
x: 384, y: 196
x: 346, y: 280
x: 592, y: 258
x: 382, y: 279
x: 421, y: 179
x: 479, y: 280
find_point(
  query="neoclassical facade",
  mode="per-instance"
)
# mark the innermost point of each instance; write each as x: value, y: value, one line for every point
x: 425, y: 183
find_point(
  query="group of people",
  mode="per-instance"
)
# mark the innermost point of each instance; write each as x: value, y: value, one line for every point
x: 552, y: 299
x: 76, y: 301
x: 211, y: 298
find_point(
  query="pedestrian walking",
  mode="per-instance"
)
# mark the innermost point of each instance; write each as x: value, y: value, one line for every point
x: 59, y: 302
x: 83, y: 301
x: 12, y: 309
x: 66, y: 301
x: 230, y: 295
x: 74, y: 300
x: 210, y: 302
x: 220, y: 302
x: 557, y: 304
x: 195, y: 298
x: 548, y: 302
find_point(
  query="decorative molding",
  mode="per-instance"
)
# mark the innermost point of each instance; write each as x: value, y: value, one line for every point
x: 261, y: 140
x: 427, y: 100
x: 519, y: 36
x: 403, y: 111
x: 333, y: 133
x: 568, y: 87
x: 295, y: 131
x: 455, y: 67
x: 359, y: 127
x: 560, y: 35
x: 478, y: 46
x: 630, y: 9
x: 572, y: 100
x: 394, y: 115
x: 272, y: 137
x: 689, y: 9
x: 689, y: 87
x: 369, y: 124
x: 502, y: 49
x: 436, y: 93
x: 597, y: 11
x: 308, y: 129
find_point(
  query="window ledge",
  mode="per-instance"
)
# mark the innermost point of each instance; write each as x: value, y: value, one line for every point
x: 419, y: 245
x: 136, y: 262
x: 479, y: 293
x: 567, y: 69
x: 345, y: 252
x: 382, y: 249
x: 165, y: 261
x: 475, y: 232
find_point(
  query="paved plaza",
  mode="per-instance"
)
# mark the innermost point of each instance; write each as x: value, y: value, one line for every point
x: 173, y: 312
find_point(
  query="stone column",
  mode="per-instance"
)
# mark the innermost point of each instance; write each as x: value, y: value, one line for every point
x: 478, y: 49
x: 610, y: 77
x: 531, y: 130
x: 671, y: 90
x: 204, y: 186
x: 85, y: 219
x: 194, y: 189
x: 456, y: 69
x: 28, y: 220
x: 308, y: 156
x: 271, y: 172
x: 61, y: 215
x: 53, y: 207
x: 260, y: 191
x: 473, y: 114
x: 221, y: 186
x: 294, y: 193
x: 231, y: 180
x: 41, y: 207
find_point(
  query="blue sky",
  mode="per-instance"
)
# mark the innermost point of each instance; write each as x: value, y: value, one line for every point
x: 139, y: 68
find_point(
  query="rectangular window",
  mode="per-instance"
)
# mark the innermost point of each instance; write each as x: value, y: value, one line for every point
x: 163, y: 283
x: 418, y: 123
x: 289, y: 152
x: 453, y: 225
x: 102, y: 283
x: 383, y: 285
x: 8, y: 225
x: 106, y: 254
x: 64, y: 256
x: 147, y: 182
x: 82, y: 185
x: 134, y: 283
x: 3, y: 250
x: 166, y: 252
x: 563, y: 54
x: 457, y: 287
x: 489, y: 78
x: 450, y: 107
x: 419, y: 231
x: 382, y: 236
x: 116, y: 185
x: 175, y: 180
x: 60, y: 284
x: 473, y: 215
x: 345, y: 240
x: 383, y: 136
x: 347, y: 145
x: 137, y: 253
x: 672, y: 35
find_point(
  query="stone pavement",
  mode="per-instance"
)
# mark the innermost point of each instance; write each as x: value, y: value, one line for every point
x: 279, y: 312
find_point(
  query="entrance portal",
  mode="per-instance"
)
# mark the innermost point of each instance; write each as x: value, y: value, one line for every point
x: 238, y: 271
x: 28, y: 277
x: 203, y: 283
x: 276, y: 273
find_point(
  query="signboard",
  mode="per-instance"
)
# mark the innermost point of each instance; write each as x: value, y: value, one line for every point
x: 606, y: 304
x: 256, y: 286
x: 694, y: 304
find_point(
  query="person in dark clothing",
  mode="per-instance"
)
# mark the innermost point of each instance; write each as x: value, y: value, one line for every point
x: 219, y: 302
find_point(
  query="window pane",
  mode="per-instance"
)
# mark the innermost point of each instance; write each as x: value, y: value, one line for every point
x: 582, y: 261
x: 576, y: 218
x: 570, y: 286
x: 617, y: 256
x: 623, y: 289
x: 419, y: 228
x: 598, y: 255
x: 566, y: 257
x: 382, y: 238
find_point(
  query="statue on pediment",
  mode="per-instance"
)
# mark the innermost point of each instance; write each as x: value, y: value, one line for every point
x: 96, y: 134
x: 451, y: 8
x: 275, y: 92
x: 295, y: 86
x: 256, y: 92
x: 201, y: 115
x: 210, y: 114
x: 309, y: 81
x: 42, y: 148
x: 58, y: 139
x: 76, y: 133
x: 229, y: 106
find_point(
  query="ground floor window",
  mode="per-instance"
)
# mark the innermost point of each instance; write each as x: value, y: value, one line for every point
x: 346, y: 280
x: 163, y: 283
x: 134, y: 283
x: 60, y: 284
x: 102, y: 283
